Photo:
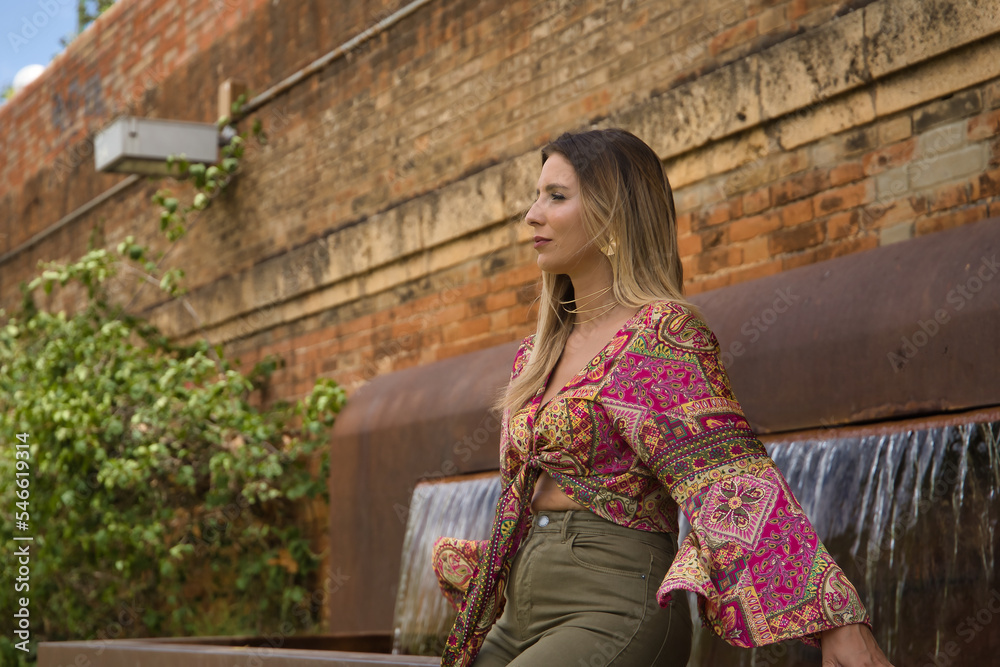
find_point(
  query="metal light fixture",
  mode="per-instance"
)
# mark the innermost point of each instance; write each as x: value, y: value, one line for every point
x: 132, y: 145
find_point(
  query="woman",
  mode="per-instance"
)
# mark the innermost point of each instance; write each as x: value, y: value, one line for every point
x: 619, y: 413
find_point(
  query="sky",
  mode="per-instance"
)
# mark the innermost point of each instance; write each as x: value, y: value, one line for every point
x: 30, y: 32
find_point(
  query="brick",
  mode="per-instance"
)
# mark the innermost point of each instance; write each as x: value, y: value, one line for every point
x: 756, y: 201
x: 754, y: 271
x: 713, y: 238
x: 792, y: 162
x: 799, y: 259
x: 994, y: 210
x: 689, y: 244
x: 895, y: 233
x: 848, y: 247
x: 799, y: 8
x: 983, y: 126
x: 944, y: 139
x: 951, y: 166
x: 796, y: 238
x: 755, y: 250
x: 688, y: 265
x: 843, y: 198
x: 758, y: 6
x: 894, y: 130
x: 949, y: 197
x: 892, y: 184
x: 857, y: 142
x: 961, y: 105
x: 797, y: 213
x: 714, y: 282
x: 889, y: 157
x: 684, y: 223
x: 748, y: 228
x: 771, y: 20
x: 991, y: 95
x: 739, y: 34
x: 987, y: 185
x: 842, y: 225
x: 799, y: 186
x: 950, y: 220
x: 502, y: 300
x: 466, y: 329
x: 723, y: 257
x: 891, y: 213
x: 846, y: 173
x: 716, y: 215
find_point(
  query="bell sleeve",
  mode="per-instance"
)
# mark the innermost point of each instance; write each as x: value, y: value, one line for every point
x: 456, y: 560
x: 753, y: 558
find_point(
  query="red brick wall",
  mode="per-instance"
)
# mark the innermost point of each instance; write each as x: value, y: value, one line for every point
x: 914, y: 173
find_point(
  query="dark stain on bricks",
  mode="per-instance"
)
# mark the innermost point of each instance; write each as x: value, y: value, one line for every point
x: 494, y: 263
x: 712, y: 239
x: 858, y: 141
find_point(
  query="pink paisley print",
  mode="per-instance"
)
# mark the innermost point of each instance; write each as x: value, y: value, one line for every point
x: 650, y: 427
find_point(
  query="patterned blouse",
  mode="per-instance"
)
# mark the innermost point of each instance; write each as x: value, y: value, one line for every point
x: 650, y: 425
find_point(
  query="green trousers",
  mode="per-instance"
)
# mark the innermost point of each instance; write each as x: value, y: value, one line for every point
x: 582, y: 593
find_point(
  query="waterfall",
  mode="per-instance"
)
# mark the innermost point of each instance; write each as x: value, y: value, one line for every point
x: 462, y: 508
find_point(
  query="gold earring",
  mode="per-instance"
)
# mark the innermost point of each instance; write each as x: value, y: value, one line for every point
x: 610, y: 248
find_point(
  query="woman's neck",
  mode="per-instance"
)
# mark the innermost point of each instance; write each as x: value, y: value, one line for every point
x: 594, y: 296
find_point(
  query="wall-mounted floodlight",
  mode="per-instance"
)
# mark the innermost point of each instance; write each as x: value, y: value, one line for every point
x: 133, y: 145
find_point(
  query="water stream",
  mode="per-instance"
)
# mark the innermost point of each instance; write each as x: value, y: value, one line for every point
x: 463, y: 508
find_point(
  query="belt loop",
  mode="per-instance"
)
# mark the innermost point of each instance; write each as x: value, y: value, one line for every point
x: 565, y: 523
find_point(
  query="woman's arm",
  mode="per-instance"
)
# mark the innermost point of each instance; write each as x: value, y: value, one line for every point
x: 761, y: 572
x: 851, y: 646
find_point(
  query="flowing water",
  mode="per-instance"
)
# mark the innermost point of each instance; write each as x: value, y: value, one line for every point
x: 911, y: 517
x: 462, y: 508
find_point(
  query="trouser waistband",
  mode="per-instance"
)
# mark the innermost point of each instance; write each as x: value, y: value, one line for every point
x: 586, y: 522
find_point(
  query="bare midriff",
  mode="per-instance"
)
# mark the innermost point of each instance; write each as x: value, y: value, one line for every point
x: 548, y: 496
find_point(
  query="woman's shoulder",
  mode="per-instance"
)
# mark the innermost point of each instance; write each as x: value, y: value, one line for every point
x: 675, y: 324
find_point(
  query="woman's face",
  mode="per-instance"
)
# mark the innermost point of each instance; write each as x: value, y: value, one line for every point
x: 556, y: 218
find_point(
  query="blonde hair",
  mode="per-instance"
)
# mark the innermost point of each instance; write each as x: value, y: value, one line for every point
x: 626, y: 199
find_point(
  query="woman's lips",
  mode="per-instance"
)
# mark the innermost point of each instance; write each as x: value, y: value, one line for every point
x: 540, y: 241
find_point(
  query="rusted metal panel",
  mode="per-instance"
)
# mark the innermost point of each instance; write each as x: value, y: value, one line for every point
x: 420, y: 423
x: 902, y: 330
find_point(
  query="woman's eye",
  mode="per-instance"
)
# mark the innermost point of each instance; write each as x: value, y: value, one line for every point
x: 556, y: 195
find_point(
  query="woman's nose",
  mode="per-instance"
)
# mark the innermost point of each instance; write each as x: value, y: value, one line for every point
x: 532, y: 217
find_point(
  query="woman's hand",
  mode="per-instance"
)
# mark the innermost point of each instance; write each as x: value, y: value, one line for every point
x: 851, y: 646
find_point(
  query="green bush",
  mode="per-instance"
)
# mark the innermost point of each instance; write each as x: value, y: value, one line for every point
x: 161, y: 502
